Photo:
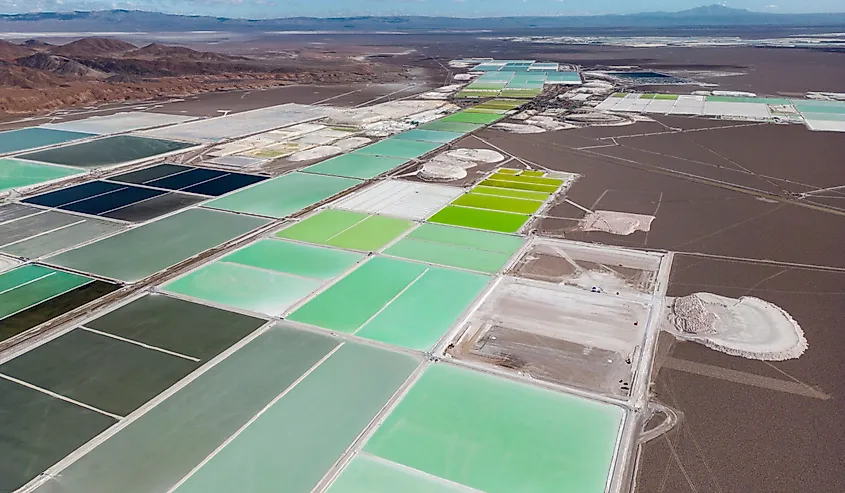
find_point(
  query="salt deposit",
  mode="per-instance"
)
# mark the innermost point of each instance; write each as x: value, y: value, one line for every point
x: 524, y: 115
x: 318, y: 152
x: 597, y: 269
x: 435, y: 170
x: 565, y: 313
x: 449, y: 88
x: 736, y: 94
x: 351, y: 143
x: 556, y: 334
x: 434, y: 95
x: 392, y: 110
x: 7, y: 264
x: 747, y: 327
x: 548, y: 123
x: 618, y: 223
x: 518, y: 128
x: 386, y: 128
x: 826, y: 96
x: 452, y: 165
x: 463, y: 77
x: 480, y: 155
x: 599, y: 118
x: 320, y: 137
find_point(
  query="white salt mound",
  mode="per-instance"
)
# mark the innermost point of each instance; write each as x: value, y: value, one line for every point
x: 618, y: 223
x: 747, y: 327
x: 478, y: 155
x: 517, y: 128
x: 436, y: 170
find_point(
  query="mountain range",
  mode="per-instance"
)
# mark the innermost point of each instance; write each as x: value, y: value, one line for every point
x: 37, y: 76
x: 131, y: 20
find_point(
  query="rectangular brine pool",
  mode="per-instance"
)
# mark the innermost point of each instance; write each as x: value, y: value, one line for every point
x: 138, y: 253
x: 107, y: 152
x: 457, y: 429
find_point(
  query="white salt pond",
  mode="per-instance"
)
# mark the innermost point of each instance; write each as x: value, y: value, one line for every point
x: 318, y: 152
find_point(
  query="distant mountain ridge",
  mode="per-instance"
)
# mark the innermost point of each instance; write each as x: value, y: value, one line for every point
x: 131, y: 20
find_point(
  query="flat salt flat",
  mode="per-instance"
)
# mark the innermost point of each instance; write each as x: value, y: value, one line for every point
x: 240, y: 124
x: 125, y: 121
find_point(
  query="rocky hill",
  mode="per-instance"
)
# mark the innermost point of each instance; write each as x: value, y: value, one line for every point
x: 113, y: 59
x: 10, y: 51
x: 91, y: 47
x: 157, y: 51
x: 59, y: 65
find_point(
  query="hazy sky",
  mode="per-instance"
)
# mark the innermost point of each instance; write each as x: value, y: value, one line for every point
x: 458, y: 8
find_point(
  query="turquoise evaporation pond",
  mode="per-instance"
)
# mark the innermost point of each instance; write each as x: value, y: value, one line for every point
x: 32, y: 138
x: 359, y: 166
x: 370, y: 474
x: 817, y: 107
x: 407, y: 149
x: 266, y: 277
x: 830, y: 117
x: 407, y: 304
x: 422, y: 135
x: 15, y: 173
x: 498, y: 435
x: 284, y: 195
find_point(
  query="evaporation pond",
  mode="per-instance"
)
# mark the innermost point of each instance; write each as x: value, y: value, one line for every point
x: 163, y: 445
x: 406, y: 304
x: 108, y: 151
x: 33, y: 294
x: 467, y: 117
x: 294, y: 443
x: 360, y: 166
x: 32, y: 138
x: 532, y: 440
x: 32, y: 233
x: 503, y: 222
x: 497, y: 203
x: 422, y: 135
x: 109, y: 364
x: 406, y: 149
x: 347, y: 229
x: 370, y: 474
x: 138, y: 253
x: 267, y: 277
x: 457, y: 247
x: 15, y: 173
x: 284, y: 195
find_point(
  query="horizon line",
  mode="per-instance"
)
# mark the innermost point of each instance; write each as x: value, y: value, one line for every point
x: 364, y: 16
